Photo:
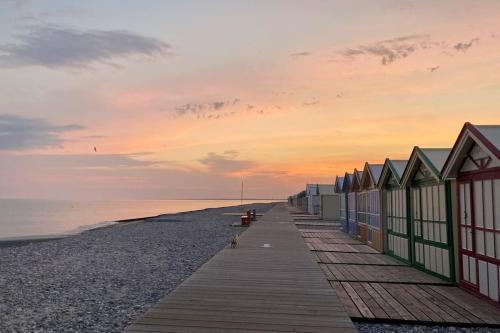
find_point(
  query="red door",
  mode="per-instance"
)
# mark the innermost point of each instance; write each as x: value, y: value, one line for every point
x: 468, y: 263
x: 479, y: 217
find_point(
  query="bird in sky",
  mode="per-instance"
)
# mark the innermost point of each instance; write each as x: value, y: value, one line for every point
x: 95, y: 149
x: 433, y: 69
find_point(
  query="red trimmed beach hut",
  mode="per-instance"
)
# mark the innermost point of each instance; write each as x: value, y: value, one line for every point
x: 396, y: 224
x: 432, y: 240
x: 475, y: 163
x: 368, y: 206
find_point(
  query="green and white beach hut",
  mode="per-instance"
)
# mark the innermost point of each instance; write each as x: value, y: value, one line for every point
x: 432, y: 242
x: 396, y: 224
x: 369, y: 208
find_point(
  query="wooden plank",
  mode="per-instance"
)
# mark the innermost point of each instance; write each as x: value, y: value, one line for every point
x: 482, y: 310
x: 446, y: 311
x: 402, y: 312
x: 408, y: 302
x: 274, y: 288
x: 373, y: 285
x: 374, y: 307
x: 429, y: 308
x: 349, y: 305
x: 388, y: 309
x: 362, y: 307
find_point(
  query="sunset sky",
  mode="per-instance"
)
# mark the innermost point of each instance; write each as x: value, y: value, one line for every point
x: 182, y: 99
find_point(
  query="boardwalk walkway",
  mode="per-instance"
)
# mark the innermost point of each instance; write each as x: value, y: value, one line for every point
x: 270, y: 283
x: 374, y: 286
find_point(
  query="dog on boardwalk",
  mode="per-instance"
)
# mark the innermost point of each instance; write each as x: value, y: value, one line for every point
x: 234, y: 241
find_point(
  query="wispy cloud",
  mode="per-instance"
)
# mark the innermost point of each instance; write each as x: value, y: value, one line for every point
x: 199, y: 108
x: 464, y: 46
x: 225, y: 163
x: 218, y: 105
x: 301, y: 54
x: 19, y: 133
x: 311, y: 102
x: 391, y: 50
x: 216, y: 109
x: 55, y: 46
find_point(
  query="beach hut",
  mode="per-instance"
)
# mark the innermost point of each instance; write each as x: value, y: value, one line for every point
x: 352, y: 198
x: 330, y: 206
x: 302, y: 201
x: 329, y: 202
x: 368, y: 206
x: 475, y: 164
x: 431, y: 241
x: 339, y: 188
x: 396, y: 224
x: 312, y: 195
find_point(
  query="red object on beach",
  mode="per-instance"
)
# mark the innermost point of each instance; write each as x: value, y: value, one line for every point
x: 246, y: 219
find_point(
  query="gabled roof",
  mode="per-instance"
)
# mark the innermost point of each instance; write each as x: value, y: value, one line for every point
x: 311, y: 189
x: 371, y: 171
x: 432, y: 158
x: 339, y: 181
x: 394, y: 167
x: 485, y: 136
x: 346, y: 186
x: 356, y: 180
x: 318, y: 189
x: 326, y: 189
x: 490, y: 133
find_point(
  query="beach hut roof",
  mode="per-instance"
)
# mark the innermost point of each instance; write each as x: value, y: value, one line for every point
x: 487, y: 137
x: 396, y: 167
x: 339, y: 182
x: 311, y: 189
x: 346, y: 186
x: 371, y: 175
x: 356, y: 180
x: 432, y: 158
x: 326, y: 189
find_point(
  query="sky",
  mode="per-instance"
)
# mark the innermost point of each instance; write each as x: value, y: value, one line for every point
x: 183, y: 99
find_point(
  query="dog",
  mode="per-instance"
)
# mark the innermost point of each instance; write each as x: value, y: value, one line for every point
x: 234, y: 241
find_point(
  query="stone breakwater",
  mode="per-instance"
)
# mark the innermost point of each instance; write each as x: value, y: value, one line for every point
x: 101, y: 280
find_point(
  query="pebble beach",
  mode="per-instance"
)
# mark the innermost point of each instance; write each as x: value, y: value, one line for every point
x: 102, y: 279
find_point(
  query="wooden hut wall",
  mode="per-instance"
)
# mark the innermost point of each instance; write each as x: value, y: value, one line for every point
x: 396, y: 218
x: 431, y: 222
x: 369, y: 218
x: 476, y: 165
x: 352, y: 200
x: 343, y: 212
x: 351, y: 205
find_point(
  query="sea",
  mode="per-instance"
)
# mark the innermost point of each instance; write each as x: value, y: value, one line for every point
x: 31, y: 218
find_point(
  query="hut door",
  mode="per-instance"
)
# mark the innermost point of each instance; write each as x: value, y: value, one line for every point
x: 485, y: 193
x: 468, y: 260
x: 397, y: 224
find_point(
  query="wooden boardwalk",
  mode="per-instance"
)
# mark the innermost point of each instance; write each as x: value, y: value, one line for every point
x: 374, y: 286
x: 269, y: 283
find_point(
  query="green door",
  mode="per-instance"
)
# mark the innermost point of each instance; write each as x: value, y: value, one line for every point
x: 398, y: 224
x: 432, y: 229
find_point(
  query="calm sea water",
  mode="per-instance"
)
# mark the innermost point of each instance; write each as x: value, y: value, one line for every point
x: 24, y: 217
